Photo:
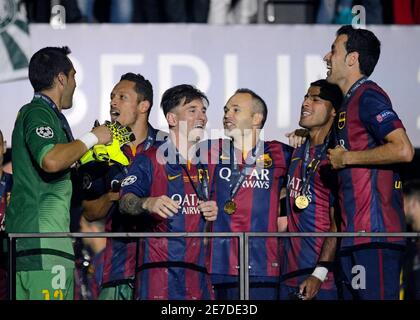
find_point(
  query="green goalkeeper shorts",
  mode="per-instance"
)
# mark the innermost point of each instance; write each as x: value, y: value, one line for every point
x: 45, y: 284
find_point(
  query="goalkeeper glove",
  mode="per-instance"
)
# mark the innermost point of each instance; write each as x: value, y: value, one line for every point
x: 124, y: 135
x: 87, y: 157
x: 111, y: 153
x: 103, y: 153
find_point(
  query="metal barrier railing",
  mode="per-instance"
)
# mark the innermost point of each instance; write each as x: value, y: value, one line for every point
x: 14, y: 236
x: 243, y: 237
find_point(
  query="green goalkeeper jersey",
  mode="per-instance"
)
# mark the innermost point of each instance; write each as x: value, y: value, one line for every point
x: 40, y: 201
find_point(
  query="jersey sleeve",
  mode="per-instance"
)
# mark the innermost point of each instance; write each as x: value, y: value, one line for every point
x: 41, y: 133
x: 139, y: 177
x: 377, y: 114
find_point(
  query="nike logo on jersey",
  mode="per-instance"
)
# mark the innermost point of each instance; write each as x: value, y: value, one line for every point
x: 170, y: 178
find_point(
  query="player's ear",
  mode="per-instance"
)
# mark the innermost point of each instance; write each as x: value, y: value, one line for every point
x: 172, y: 119
x: 61, y: 79
x: 352, y: 58
x: 333, y: 113
x: 144, y: 106
x: 257, y: 119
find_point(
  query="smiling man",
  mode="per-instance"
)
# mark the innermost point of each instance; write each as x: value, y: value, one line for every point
x: 371, y: 142
x: 247, y: 185
x: 168, y: 189
x: 311, y: 199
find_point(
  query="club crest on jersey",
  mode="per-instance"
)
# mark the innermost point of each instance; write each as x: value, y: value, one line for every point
x: 201, y: 176
x: 128, y: 180
x: 341, y: 120
x: 264, y: 160
x: 45, y: 132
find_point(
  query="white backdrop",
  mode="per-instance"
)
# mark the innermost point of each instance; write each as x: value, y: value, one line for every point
x: 278, y: 62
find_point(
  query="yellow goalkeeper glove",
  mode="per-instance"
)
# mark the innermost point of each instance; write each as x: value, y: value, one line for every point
x: 87, y: 157
x: 124, y: 135
x: 111, y: 153
x: 103, y: 153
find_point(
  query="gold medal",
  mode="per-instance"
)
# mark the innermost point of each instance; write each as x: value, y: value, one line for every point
x: 302, y: 202
x: 230, y: 207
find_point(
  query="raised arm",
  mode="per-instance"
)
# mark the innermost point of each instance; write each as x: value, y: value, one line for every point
x: 397, y: 149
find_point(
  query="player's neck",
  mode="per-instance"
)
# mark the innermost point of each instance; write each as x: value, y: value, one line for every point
x: 1, y: 171
x: 140, y: 130
x: 348, y: 82
x: 54, y: 96
x: 181, y: 143
x: 246, y: 142
x: 317, y: 135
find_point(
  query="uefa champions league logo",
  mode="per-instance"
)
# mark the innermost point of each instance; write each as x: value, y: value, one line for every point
x: 8, y: 12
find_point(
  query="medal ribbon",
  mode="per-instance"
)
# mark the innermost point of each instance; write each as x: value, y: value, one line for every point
x: 347, y: 97
x: 309, y: 166
x: 249, y: 163
x: 202, y: 192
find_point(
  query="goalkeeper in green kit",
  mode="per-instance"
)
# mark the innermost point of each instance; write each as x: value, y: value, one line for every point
x: 43, y: 152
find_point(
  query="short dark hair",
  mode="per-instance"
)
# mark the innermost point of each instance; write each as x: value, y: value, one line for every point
x: 330, y: 92
x: 365, y: 43
x: 258, y: 103
x: 46, y: 64
x: 143, y: 87
x: 183, y: 93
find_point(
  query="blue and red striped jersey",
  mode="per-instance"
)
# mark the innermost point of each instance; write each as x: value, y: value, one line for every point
x: 370, y: 197
x: 98, y: 179
x: 170, y: 268
x: 257, y: 202
x: 303, y: 253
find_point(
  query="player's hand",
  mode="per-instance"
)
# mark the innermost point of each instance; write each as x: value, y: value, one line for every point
x: 163, y: 206
x: 297, y: 137
x: 103, y: 134
x: 336, y: 157
x: 208, y: 209
x: 310, y: 287
x: 123, y: 134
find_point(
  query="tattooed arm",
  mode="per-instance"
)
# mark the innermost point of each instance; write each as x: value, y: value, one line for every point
x: 164, y: 206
